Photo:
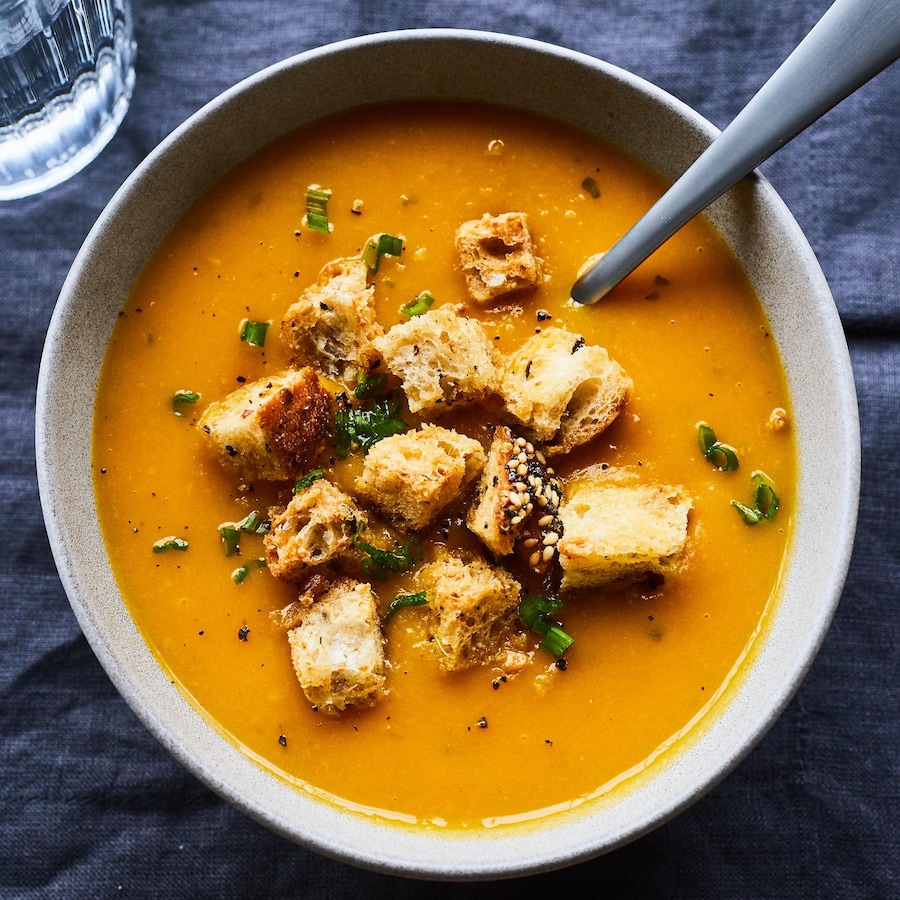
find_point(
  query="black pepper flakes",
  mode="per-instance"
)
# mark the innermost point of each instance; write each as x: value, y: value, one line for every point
x: 243, y: 632
x: 482, y: 722
x: 562, y: 664
x: 282, y: 740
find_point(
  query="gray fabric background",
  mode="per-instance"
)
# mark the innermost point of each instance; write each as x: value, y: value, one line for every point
x: 92, y: 806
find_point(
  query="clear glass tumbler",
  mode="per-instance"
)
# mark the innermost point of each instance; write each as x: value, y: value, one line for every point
x: 66, y: 77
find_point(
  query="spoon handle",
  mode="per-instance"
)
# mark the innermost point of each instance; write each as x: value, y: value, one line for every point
x: 850, y: 44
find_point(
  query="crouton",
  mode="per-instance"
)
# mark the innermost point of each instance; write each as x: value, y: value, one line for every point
x: 316, y: 528
x: 474, y: 607
x: 333, y: 323
x: 497, y: 256
x: 615, y: 526
x: 273, y: 428
x: 442, y: 358
x: 562, y: 390
x: 514, y: 484
x: 412, y: 477
x: 338, y: 649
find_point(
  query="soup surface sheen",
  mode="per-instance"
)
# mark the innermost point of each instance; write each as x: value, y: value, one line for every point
x: 467, y: 749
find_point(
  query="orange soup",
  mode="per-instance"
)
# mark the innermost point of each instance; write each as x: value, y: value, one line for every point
x: 473, y: 748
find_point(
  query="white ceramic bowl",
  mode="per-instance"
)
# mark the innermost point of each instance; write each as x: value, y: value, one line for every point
x: 594, y: 96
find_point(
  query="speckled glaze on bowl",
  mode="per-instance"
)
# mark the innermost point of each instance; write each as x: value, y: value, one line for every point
x: 599, y: 98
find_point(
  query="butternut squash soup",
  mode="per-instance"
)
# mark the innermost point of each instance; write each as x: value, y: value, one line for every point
x: 414, y: 531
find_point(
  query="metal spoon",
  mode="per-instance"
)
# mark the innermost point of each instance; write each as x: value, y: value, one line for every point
x: 850, y: 44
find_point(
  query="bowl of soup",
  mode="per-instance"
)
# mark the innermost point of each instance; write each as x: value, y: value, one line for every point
x: 414, y: 560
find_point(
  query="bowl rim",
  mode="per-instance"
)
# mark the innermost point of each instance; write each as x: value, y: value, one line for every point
x: 307, y: 820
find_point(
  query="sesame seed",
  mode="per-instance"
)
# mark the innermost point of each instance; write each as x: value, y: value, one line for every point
x: 544, y: 521
x: 547, y: 555
x: 550, y: 539
x: 522, y: 469
x: 535, y: 559
x: 515, y: 499
x: 528, y: 543
x: 515, y: 520
x: 540, y: 457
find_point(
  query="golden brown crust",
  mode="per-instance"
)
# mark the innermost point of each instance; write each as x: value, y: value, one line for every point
x: 273, y: 428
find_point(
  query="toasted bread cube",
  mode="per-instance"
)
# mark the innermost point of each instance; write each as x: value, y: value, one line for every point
x: 497, y: 256
x: 492, y: 516
x: 338, y: 648
x: 562, y: 390
x: 615, y: 526
x: 333, y: 324
x: 442, y: 358
x: 412, y: 477
x: 474, y: 607
x: 316, y: 528
x: 273, y: 428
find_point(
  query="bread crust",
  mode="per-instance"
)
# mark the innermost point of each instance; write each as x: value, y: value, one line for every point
x: 442, y: 358
x: 617, y: 526
x: 337, y: 649
x: 474, y: 606
x: 273, y: 428
x: 332, y: 325
x: 563, y: 391
x: 497, y: 257
x: 315, y: 529
x: 413, y: 477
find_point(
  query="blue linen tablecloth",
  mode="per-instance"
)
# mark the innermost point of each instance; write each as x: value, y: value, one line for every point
x: 93, y: 806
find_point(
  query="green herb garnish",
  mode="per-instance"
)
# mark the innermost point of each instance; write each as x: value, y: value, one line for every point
x: 254, y: 333
x: 230, y: 532
x: 369, y: 387
x: 376, y: 247
x: 317, y: 210
x: 417, y: 307
x: 379, y: 562
x: 365, y: 427
x: 301, y: 484
x: 181, y: 397
x: 535, y: 611
x: 765, y: 501
x: 239, y: 575
x: 722, y: 456
x: 404, y: 600
x: 170, y: 543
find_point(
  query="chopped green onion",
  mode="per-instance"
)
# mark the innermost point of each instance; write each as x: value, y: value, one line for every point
x: 384, y: 244
x: 379, y: 562
x: 301, y: 484
x: 254, y: 523
x: 254, y: 333
x: 183, y: 397
x: 170, y: 543
x: 722, y: 456
x: 404, y: 600
x: 369, y: 386
x: 420, y: 305
x: 365, y: 427
x: 230, y: 532
x: 535, y: 611
x: 317, y: 210
x: 590, y: 186
x: 239, y: 575
x: 230, y: 537
x: 765, y: 501
x: 556, y: 641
